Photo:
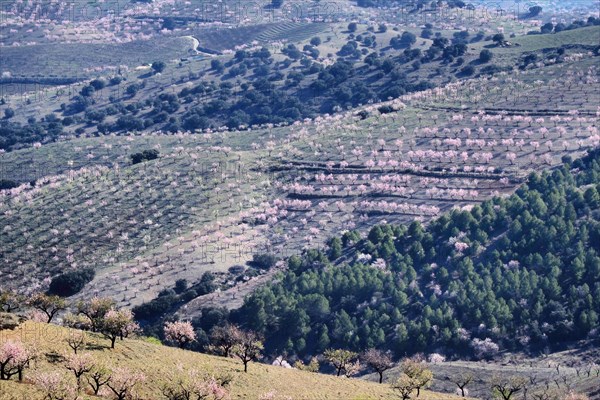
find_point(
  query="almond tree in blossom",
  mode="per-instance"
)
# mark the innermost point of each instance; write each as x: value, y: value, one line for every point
x: 224, y: 338
x: 79, y: 364
x: 76, y: 340
x: 194, y: 385
x: 124, y: 382
x: 248, y: 347
x: 273, y: 395
x: 56, y: 386
x: 15, y: 357
x: 511, y: 157
x: 378, y: 360
x: 49, y: 305
x: 118, y: 323
x: 180, y: 332
x: 95, y: 310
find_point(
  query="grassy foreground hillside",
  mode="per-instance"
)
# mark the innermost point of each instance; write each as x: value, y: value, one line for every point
x: 156, y: 362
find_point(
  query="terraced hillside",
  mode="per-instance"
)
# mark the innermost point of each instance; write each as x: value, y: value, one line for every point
x: 213, y: 200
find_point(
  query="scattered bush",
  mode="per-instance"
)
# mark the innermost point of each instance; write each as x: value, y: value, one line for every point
x: 158, y: 66
x: 7, y: 184
x: 9, y: 113
x: 263, y: 261
x: 72, y: 282
x: 8, y: 321
x: 486, y: 56
x: 146, y: 155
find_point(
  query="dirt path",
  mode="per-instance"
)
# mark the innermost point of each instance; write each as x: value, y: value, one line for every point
x: 197, y: 45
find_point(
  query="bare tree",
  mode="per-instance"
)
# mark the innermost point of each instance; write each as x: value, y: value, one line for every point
x: 506, y: 387
x: 10, y: 301
x: 546, y: 393
x: 98, y: 377
x: 462, y: 380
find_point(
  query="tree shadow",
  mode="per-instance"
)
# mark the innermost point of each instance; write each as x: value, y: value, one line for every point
x: 96, y: 346
x: 54, y: 358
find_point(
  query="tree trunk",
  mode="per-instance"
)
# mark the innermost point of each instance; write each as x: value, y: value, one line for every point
x: 245, y: 366
x: 418, y: 391
x: 112, y: 342
x: 381, y: 377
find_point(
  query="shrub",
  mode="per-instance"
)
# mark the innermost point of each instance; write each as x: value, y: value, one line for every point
x: 206, y: 284
x: 498, y: 38
x: 158, y: 66
x: 115, y: 80
x: 7, y: 184
x: 9, y: 113
x: 87, y: 91
x: 132, y: 89
x: 181, y: 285
x: 98, y: 84
x: 152, y: 339
x: 155, y: 308
x: 237, y: 269
x: 312, y: 366
x: 468, y: 70
x: 146, y: 155
x: 8, y: 321
x: 217, y: 65
x: 263, y: 261
x: 485, y: 56
x: 70, y: 283
x: 385, y: 109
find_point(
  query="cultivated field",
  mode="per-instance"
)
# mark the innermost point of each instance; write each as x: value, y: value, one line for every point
x: 207, y: 206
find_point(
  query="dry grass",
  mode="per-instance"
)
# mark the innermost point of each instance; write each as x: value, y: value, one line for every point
x: 155, y: 361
